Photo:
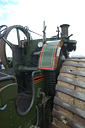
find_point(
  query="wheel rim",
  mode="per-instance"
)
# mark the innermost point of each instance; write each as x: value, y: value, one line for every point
x: 3, y: 54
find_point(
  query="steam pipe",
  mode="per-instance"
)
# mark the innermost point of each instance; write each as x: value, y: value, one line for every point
x: 27, y: 69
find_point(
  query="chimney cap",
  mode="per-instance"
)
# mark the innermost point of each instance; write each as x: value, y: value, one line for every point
x: 64, y: 25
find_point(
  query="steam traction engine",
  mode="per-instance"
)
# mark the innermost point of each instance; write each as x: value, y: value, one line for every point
x: 30, y: 95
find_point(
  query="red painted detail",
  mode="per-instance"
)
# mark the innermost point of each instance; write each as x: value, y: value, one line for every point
x: 54, y: 55
x: 53, y: 58
x: 58, y: 58
x: 38, y: 79
x: 0, y: 88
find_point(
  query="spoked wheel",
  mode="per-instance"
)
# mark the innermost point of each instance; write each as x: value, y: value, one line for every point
x: 69, y: 100
x: 13, y: 36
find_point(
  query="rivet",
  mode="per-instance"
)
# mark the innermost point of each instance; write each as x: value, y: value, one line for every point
x: 11, y: 117
x: 11, y: 125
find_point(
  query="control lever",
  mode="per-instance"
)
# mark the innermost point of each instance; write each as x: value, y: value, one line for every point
x: 69, y: 36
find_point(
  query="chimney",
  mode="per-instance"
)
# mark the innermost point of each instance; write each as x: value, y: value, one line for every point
x: 64, y: 30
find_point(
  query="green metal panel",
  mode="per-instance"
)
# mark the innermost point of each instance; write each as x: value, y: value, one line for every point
x: 30, y: 48
x: 49, y: 53
x: 8, y: 93
x: 10, y: 115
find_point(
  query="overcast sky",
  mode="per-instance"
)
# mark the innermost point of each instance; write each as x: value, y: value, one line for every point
x: 32, y: 13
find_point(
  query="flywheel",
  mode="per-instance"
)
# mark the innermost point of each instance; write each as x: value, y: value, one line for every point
x: 69, y: 101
